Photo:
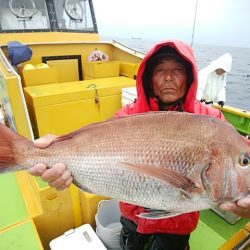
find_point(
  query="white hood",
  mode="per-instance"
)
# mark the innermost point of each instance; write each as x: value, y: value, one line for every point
x: 210, y: 85
x: 223, y: 62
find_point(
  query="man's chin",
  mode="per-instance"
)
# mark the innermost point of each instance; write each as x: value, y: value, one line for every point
x: 168, y: 100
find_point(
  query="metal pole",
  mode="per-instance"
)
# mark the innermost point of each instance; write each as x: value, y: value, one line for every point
x: 196, y: 5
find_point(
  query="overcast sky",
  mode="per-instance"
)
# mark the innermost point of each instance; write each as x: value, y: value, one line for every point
x: 218, y: 22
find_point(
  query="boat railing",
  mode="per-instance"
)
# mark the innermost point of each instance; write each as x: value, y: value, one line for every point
x: 6, y: 63
x: 128, y: 49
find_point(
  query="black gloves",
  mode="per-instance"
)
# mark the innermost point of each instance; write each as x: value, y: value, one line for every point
x: 221, y: 103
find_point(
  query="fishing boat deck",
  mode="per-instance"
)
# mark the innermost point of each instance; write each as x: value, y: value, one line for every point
x: 214, y: 231
x: 73, y: 92
x: 12, y: 206
x: 15, y: 219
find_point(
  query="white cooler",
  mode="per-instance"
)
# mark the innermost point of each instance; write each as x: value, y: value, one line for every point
x: 1, y: 116
x: 129, y: 95
x: 81, y: 238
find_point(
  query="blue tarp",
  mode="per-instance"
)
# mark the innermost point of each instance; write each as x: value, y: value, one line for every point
x: 18, y: 52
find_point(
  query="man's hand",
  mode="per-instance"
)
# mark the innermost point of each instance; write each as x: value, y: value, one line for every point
x: 241, y: 207
x: 58, y: 176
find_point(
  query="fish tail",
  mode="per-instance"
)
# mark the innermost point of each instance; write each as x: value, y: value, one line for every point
x: 8, y: 155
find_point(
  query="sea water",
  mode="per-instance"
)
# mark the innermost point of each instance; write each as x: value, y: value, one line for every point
x: 238, y: 80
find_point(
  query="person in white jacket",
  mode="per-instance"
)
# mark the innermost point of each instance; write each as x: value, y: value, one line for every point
x: 212, y: 80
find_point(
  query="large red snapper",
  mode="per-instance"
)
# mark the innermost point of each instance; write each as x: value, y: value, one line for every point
x: 170, y: 161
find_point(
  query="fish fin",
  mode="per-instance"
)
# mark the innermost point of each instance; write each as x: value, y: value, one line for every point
x: 8, y: 139
x: 157, y: 214
x: 175, y: 179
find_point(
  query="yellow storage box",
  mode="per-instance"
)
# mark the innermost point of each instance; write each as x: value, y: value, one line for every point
x: 128, y: 69
x: 94, y: 70
x: 65, y: 107
x: 61, y: 108
x: 39, y: 76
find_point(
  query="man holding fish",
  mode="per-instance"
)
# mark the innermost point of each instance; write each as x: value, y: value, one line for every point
x: 167, y: 81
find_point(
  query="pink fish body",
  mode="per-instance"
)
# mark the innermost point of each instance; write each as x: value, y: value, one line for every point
x: 170, y: 161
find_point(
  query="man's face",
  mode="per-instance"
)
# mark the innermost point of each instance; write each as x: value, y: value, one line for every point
x: 170, y: 81
x: 220, y: 72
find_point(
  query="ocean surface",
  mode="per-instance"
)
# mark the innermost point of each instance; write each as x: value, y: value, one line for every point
x: 238, y: 81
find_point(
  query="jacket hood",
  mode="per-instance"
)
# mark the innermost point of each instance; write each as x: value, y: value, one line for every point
x: 223, y: 62
x: 186, y: 52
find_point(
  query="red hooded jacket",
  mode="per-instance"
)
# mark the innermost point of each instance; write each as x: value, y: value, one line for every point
x: 184, y: 223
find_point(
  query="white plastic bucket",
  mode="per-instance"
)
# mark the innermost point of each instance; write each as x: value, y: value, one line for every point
x: 108, y: 226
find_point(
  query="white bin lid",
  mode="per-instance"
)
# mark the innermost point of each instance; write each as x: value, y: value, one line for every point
x: 83, y: 237
x: 130, y: 91
x: 1, y: 117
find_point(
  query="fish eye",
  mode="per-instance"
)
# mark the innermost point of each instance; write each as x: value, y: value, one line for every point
x: 244, y: 160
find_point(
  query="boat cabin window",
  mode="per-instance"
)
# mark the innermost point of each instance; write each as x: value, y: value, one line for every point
x: 23, y: 15
x: 74, y: 15
x: 53, y: 15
